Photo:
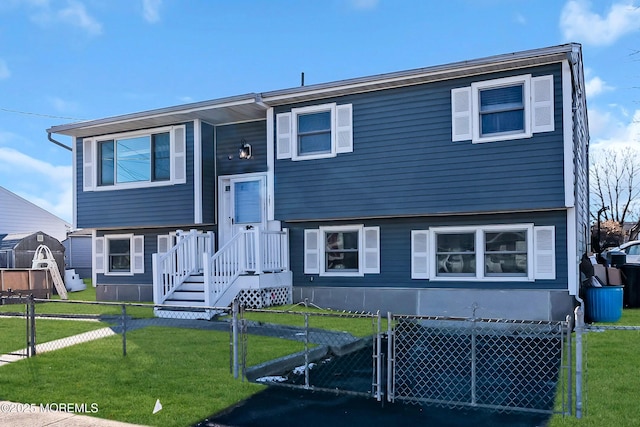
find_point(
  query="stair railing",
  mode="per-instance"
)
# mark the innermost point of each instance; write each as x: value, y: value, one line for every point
x: 172, y: 268
x: 249, y: 251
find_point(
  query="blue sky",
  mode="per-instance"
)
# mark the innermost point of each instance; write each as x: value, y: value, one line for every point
x: 62, y: 61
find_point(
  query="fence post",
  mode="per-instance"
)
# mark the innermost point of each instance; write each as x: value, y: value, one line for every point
x: 31, y: 326
x: 579, y: 328
x: 306, y: 348
x: 569, y: 359
x: 379, y: 359
x: 390, y: 358
x: 473, y: 362
x: 124, y: 330
x: 234, y: 331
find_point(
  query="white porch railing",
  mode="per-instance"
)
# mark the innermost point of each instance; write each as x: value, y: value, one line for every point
x: 172, y: 268
x: 249, y: 251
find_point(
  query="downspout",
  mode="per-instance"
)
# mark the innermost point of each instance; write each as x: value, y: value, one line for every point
x: 58, y: 142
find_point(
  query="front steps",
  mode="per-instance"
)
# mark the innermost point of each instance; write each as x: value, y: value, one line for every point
x: 184, y: 303
x: 252, y: 290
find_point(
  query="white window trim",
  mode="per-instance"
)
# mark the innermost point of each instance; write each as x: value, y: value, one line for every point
x: 91, y: 163
x: 476, y: 87
x: 322, y: 250
x: 479, y: 231
x: 295, y: 112
x: 108, y: 237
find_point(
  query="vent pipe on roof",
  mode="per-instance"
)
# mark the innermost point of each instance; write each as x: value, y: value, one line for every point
x: 58, y: 142
x: 302, y: 78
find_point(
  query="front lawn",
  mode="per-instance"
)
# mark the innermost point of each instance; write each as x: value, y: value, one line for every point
x: 187, y: 370
x: 612, y: 386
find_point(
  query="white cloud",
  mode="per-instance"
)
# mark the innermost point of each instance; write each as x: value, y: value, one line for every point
x: 73, y: 13
x: 63, y: 106
x: 364, y: 4
x: 151, y: 10
x: 608, y: 132
x: 4, y: 70
x: 580, y: 24
x: 76, y: 14
x: 595, y: 86
x: 520, y: 19
x: 42, y: 183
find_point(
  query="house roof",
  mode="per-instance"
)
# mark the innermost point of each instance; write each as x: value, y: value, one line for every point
x: 20, y: 215
x: 253, y: 106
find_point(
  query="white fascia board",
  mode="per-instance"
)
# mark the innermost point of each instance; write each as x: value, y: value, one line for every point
x: 567, y: 132
x: 74, y: 185
x: 573, y: 257
x: 197, y: 171
x: 504, y: 62
x: 270, y: 165
x: 159, y: 113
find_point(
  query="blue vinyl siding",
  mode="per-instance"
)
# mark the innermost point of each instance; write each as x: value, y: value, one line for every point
x: 228, y: 141
x: 395, y: 251
x: 137, y: 207
x: 404, y: 162
x: 208, y: 174
x: 150, y: 247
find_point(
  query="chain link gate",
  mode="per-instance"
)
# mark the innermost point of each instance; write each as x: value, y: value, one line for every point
x: 502, y: 365
x: 333, y: 357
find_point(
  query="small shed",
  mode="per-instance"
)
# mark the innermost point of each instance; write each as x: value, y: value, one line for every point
x: 17, y: 250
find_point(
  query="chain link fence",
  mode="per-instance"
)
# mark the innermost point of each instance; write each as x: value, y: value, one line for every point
x: 338, y: 352
x: 502, y: 365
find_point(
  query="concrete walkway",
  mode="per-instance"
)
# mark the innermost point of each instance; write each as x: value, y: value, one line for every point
x: 22, y: 415
x: 57, y: 344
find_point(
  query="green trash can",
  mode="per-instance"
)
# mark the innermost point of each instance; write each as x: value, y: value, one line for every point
x: 604, y: 304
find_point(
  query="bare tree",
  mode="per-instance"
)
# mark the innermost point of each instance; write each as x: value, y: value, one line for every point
x: 614, y: 176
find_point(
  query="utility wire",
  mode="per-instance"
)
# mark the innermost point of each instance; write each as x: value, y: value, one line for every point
x: 40, y: 115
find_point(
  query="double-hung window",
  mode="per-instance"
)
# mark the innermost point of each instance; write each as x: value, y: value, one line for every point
x: 514, y: 252
x: 135, y: 159
x: 314, y: 132
x: 503, y: 109
x: 119, y: 254
x: 350, y: 250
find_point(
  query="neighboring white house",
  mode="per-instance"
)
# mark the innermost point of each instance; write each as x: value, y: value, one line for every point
x: 18, y: 215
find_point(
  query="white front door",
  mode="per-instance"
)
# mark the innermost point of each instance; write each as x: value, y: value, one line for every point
x: 242, y: 203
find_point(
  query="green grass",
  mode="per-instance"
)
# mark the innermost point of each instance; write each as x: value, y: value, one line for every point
x: 318, y: 318
x: 79, y: 303
x: 612, y: 386
x: 188, y: 370
x: 14, y: 335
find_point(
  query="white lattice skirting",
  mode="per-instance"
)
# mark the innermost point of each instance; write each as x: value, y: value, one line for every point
x: 267, y: 297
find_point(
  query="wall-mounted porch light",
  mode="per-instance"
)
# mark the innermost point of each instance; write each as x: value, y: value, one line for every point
x: 245, y: 150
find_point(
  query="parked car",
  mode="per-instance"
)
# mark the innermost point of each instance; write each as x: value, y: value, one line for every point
x: 631, y: 249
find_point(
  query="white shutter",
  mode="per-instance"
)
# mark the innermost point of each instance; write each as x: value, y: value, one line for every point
x: 371, y: 250
x: 461, y: 114
x: 99, y: 257
x: 137, y: 264
x: 283, y: 135
x: 542, y: 104
x: 87, y: 165
x: 544, y: 246
x: 344, y: 128
x: 164, y: 243
x: 179, y: 155
x: 419, y: 254
x: 311, y: 251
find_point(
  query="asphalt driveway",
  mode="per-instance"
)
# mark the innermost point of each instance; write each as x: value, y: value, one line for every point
x: 286, y: 407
